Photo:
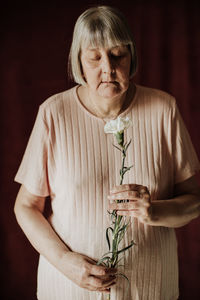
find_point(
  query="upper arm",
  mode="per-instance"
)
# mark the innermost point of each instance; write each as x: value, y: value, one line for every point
x: 189, y: 186
x: 25, y: 198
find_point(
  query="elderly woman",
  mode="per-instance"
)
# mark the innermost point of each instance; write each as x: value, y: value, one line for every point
x: 70, y: 159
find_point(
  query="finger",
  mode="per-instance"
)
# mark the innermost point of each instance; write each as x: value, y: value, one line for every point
x: 108, y: 287
x: 129, y: 213
x: 142, y: 215
x: 101, y: 270
x: 145, y: 196
x: 98, y: 283
x: 147, y: 210
x: 97, y: 270
x: 145, y: 201
x: 125, y: 187
x: 124, y: 206
x: 109, y: 283
x: 143, y: 190
x: 111, y: 271
x: 129, y: 195
x: 107, y: 291
x: 132, y: 204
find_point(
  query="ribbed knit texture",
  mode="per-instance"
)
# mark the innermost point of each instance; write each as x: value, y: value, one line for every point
x: 70, y: 158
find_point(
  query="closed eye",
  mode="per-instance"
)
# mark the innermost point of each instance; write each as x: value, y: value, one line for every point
x: 96, y: 58
x: 117, y: 56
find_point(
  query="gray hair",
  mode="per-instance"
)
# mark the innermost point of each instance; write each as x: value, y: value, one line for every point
x: 102, y: 26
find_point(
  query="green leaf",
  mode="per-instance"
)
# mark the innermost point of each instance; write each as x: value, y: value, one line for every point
x: 107, y: 236
x: 128, y: 168
x: 119, y: 261
x: 127, y: 145
x: 110, y: 252
x: 117, y: 148
x: 125, y: 169
x: 100, y: 261
x: 121, y: 274
x: 126, y: 248
x: 113, y: 216
x: 125, y: 277
x: 123, y: 227
x: 121, y: 235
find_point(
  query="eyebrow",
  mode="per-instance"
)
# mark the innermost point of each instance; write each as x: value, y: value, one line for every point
x: 92, y: 49
x: 97, y: 48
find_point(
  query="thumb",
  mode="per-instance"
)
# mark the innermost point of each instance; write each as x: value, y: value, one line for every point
x: 101, y: 270
x: 98, y: 270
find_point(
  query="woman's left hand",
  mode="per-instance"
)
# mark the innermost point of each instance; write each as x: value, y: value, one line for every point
x: 138, y: 204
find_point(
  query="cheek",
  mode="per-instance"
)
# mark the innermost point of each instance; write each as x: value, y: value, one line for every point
x: 123, y: 73
x: 123, y: 70
x: 92, y: 76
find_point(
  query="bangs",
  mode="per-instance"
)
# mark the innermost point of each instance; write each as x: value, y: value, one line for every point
x: 99, y: 34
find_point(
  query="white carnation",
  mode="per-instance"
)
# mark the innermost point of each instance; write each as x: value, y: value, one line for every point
x: 118, y: 125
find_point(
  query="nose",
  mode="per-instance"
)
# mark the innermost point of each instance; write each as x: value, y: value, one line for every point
x: 107, y: 65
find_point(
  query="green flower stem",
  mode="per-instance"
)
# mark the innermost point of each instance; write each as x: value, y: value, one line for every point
x: 119, y: 227
x: 115, y: 241
x: 118, y: 219
x: 122, y: 169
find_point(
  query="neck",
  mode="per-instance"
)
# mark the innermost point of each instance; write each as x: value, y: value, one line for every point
x: 105, y: 108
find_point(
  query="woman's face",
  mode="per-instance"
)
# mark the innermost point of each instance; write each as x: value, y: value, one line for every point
x: 106, y: 70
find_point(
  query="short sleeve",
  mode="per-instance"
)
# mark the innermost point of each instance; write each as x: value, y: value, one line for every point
x: 33, y: 173
x: 186, y: 163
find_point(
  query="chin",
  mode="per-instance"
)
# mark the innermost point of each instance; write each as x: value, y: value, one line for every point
x: 110, y: 91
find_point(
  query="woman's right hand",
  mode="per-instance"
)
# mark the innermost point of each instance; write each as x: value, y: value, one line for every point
x: 81, y: 269
x: 84, y: 271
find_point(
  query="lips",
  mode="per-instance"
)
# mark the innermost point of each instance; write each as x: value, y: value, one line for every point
x: 113, y: 82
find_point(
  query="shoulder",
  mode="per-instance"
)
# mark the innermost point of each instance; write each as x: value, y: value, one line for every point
x: 55, y: 104
x: 156, y: 98
x: 55, y: 101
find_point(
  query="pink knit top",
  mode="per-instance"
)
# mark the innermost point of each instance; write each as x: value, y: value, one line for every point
x: 70, y: 158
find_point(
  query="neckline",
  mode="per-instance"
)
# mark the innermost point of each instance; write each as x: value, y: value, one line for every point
x: 104, y: 120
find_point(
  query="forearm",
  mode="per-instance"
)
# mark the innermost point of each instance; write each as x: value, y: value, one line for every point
x: 175, y: 212
x: 40, y: 234
x: 79, y: 268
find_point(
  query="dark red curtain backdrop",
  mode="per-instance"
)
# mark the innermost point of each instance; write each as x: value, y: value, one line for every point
x: 35, y: 39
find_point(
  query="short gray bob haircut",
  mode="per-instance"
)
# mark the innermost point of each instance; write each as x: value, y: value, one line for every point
x: 100, y: 26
